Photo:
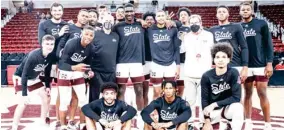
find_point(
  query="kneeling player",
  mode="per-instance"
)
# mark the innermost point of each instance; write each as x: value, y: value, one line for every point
x: 27, y: 79
x: 111, y: 113
x: 221, y: 90
x: 73, y: 66
x: 173, y: 111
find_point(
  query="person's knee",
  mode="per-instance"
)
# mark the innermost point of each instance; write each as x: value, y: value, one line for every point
x: 182, y: 126
x: 139, y: 92
x: 121, y: 90
x: 261, y: 92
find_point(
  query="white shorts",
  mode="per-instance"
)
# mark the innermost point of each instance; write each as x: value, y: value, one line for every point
x: 181, y: 74
x: 256, y: 74
x: 147, y: 68
x: 68, y: 80
x: 53, y: 72
x: 129, y: 70
x: 32, y: 84
x: 239, y: 69
x: 256, y: 71
x: 160, y: 71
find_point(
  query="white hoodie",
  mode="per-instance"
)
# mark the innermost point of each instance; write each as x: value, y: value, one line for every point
x: 198, y: 53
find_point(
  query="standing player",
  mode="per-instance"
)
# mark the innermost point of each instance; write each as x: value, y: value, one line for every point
x: 102, y: 10
x: 93, y: 19
x: 197, y: 45
x: 75, y: 60
x: 221, y: 90
x: 164, y: 46
x: 27, y: 78
x: 119, y: 14
x: 173, y: 111
x: 149, y: 18
x: 111, y: 113
x: 130, y: 57
x: 183, y: 28
x: 260, y: 62
x: 57, y: 28
x: 233, y: 34
x: 104, y: 57
x: 74, y: 32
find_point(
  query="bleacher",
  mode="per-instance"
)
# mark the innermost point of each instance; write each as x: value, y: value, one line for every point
x: 273, y: 12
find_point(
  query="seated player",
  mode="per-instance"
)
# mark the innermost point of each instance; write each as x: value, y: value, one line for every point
x: 74, y: 66
x: 221, y: 90
x: 172, y: 110
x: 29, y: 77
x: 111, y: 113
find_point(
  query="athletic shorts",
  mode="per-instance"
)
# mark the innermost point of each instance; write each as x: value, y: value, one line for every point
x: 160, y: 72
x: 134, y: 71
x: 32, y: 84
x: 256, y: 74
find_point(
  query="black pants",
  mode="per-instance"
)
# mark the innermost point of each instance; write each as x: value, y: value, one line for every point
x: 97, y: 81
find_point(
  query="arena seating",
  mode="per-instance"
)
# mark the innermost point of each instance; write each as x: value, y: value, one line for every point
x: 273, y: 12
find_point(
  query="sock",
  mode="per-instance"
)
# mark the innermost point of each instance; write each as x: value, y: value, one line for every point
x: 267, y: 124
x: 140, y: 123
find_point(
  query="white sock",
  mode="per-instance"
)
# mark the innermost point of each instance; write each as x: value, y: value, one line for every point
x: 267, y: 124
x: 140, y: 123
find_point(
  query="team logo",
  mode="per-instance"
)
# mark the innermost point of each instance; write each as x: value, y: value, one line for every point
x: 40, y: 67
x: 131, y: 30
x: 159, y: 38
x: 54, y: 31
x: 109, y: 116
x: 117, y: 73
x: 222, y: 35
x: 77, y: 57
x: 113, y: 40
x: 77, y: 35
x: 165, y: 115
x: 218, y: 88
x: 249, y: 33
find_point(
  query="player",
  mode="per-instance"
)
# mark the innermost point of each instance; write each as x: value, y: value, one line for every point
x: 183, y: 28
x: 197, y: 45
x: 221, y: 90
x: 130, y: 57
x: 102, y: 10
x: 119, y: 14
x: 29, y: 79
x: 260, y: 68
x: 112, y: 114
x: 173, y: 111
x: 233, y: 34
x: 104, y: 57
x: 93, y: 19
x: 149, y: 18
x: 74, y: 32
x: 164, y: 46
x: 73, y: 65
x: 57, y: 28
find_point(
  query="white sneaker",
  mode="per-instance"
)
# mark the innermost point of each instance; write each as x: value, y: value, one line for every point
x: 268, y: 127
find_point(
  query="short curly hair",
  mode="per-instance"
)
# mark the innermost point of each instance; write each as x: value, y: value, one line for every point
x: 173, y: 83
x: 145, y: 15
x: 222, y: 47
x: 109, y: 85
